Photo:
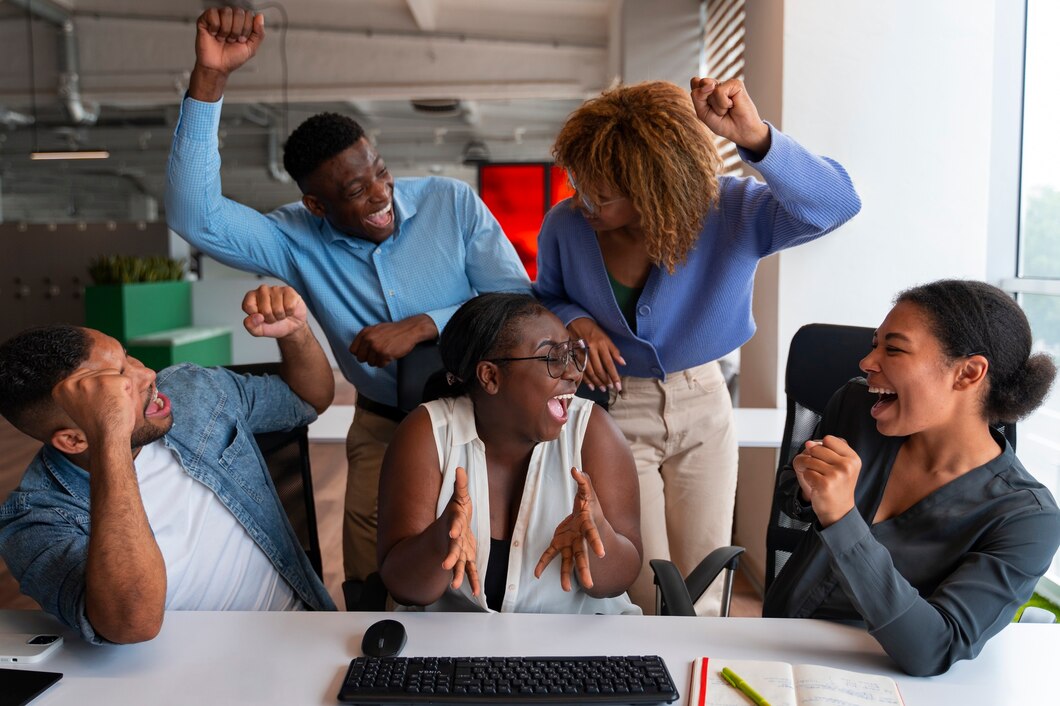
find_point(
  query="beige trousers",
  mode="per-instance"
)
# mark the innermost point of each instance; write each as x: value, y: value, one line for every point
x: 682, y: 437
x: 366, y: 443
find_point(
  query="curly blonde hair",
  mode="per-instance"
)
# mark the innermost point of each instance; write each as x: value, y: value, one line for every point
x: 646, y: 143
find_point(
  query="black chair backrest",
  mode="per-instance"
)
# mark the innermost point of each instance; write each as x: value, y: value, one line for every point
x: 420, y: 376
x: 286, y: 453
x: 821, y: 359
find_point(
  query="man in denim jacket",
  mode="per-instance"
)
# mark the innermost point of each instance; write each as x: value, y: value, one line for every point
x: 149, y: 493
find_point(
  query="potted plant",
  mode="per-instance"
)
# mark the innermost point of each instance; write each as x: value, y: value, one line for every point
x: 134, y: 296
x: 146, y: 304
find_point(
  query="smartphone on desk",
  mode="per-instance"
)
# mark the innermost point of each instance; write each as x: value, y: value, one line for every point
x: 27, y: 648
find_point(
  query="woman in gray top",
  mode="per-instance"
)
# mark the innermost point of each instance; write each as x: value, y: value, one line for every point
x: 926, y: 526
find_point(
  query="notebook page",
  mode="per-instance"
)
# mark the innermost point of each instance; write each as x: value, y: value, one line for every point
x: 826, y: 686
x: 773, y: 680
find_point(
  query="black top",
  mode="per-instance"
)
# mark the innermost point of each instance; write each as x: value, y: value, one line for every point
x: 497, y: 572
x: 934, y: 583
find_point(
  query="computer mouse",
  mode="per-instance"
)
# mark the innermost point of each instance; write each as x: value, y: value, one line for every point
x: 383, y: 639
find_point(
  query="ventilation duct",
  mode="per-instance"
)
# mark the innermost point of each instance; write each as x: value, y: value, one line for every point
x: 69, y: 88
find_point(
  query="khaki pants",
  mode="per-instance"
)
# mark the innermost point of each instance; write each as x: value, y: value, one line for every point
x: 682, y: 437
x: 366, y: 443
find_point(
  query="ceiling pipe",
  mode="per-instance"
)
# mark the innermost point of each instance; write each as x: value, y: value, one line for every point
x: 12, y: 118
x: 276, y: 170
x: 69, y: 89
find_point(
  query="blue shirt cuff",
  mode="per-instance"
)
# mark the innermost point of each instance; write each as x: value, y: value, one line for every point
x: 775, y: 156
x: 198, y: 120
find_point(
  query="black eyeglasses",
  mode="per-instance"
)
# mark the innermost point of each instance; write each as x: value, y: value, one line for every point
x: 559, y: 356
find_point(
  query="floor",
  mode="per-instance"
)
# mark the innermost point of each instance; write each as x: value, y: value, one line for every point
x: 329, y: 481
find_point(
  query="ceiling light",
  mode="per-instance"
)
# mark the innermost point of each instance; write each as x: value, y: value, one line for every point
x: 71, y: 154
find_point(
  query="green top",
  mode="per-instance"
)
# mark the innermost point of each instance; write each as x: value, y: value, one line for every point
x: 627, y: 298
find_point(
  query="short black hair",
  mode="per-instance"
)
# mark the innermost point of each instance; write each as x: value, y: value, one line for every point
x: 484, y: 327
x: 31, y: 364
x: 317, y: 140
x: 971, y: 317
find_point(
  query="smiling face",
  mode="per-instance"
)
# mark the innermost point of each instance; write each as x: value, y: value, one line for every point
x: 154, y: 414
x: 536, y: 403
x: 910, y: 372
x: 354, y: 191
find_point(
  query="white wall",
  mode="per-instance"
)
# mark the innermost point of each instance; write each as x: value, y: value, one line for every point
x: 659, y: 40
x: 900, y: 93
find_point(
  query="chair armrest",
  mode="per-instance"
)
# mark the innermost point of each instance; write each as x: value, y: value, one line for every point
x: 675, y: 598
x: 704, y: 574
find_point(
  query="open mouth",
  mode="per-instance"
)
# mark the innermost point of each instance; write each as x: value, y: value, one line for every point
x: 886, y: 399
x: 381, y: 218
x: 157, y: 406
x: 557, y: 407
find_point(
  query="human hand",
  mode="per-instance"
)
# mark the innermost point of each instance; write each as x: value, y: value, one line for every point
x: 274, y: 312
x: 227, y: 37
x: 727, y: 109
x: 575, y: 535
x: 600, y: 370
x: 102, y: 403
x: 462, y: 546
x: 381, y: 344
x: 827, y: 471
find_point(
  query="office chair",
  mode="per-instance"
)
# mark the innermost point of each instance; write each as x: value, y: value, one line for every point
x: 677, y: 596
x: 286, y: 454
x: 821, y: 359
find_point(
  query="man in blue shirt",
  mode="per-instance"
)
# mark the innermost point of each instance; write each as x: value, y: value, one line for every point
x: 149, y: 493
x: 382, y: 263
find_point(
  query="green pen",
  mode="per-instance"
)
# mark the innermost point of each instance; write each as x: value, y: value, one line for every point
x: 737, y: 683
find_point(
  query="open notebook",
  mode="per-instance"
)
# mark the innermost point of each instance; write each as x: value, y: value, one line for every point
x: 783, y: 684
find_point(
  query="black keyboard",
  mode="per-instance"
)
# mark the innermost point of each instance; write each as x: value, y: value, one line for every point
x: 507, y: 680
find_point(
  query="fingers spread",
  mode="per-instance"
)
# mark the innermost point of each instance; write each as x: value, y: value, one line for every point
x: 564, y: 569
x: 472, y: 577
x: 581, y: 559
x: 545, y: 560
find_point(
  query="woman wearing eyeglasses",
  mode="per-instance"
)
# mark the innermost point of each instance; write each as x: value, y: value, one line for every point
x: 509, y: 493
x: 652, y: 263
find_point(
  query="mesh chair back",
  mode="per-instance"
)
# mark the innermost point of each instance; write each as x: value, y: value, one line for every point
x: 286, y: 454
x: 821, y: 359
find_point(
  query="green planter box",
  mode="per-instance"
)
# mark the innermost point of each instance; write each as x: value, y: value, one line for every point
x: 205, y: 346
x: 127, y: 311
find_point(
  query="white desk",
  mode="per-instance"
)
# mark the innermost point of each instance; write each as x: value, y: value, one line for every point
x: 300, y: 658
x: 754, y: 427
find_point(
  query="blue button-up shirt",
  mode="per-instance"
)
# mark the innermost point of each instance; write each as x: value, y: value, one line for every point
x: 45, y: 523
x: 446, y: 248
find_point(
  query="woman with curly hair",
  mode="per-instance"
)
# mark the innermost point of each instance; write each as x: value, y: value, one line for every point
x: 653, y: 264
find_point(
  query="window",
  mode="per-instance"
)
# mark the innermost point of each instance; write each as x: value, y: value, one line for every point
x: 722, y: 26
x: 1037, y: 281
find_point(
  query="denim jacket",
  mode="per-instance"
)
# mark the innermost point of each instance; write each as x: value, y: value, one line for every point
x: 45, y: 523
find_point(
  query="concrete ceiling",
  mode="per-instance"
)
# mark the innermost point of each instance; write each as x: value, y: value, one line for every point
x: 511, y: 71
